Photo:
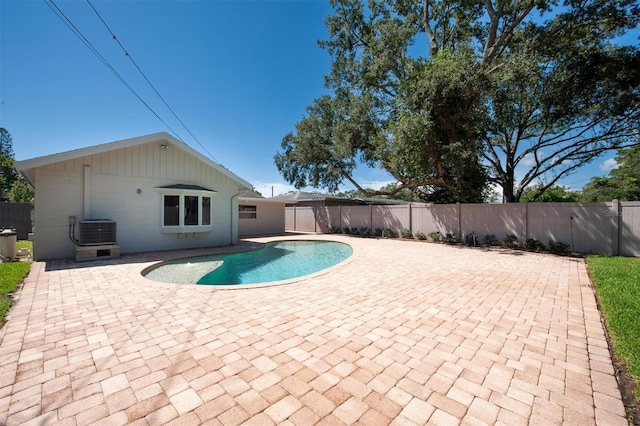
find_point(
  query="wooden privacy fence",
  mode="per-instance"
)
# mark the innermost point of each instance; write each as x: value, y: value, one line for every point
x: 609, y: 228
x: 17, y: 216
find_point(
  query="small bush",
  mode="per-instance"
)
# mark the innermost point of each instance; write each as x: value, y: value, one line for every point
x: 365, y: 231
x: 510, y: 241
x: 435, y: 236
x: 533, y: 244
x: 489, y: 240
x: 346, y: 230
x: 377, y: 232
x: 558, y: 247
x: 406, y: 233
x: 421, y: 236
x: 449, y: 238
x: 470, y: 239
x: 390, y: 233
x: 335, y: 230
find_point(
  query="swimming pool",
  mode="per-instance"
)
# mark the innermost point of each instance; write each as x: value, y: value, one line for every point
x: 276, y: 261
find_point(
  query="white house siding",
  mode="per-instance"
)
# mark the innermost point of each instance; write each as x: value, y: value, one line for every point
x: 114, y: 178
x: 269, y: 220
x: 57, y: 196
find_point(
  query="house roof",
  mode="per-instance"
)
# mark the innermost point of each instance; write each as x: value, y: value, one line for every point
x: 297, y: 196
x: 27, y: 167
x: 250, y: 194
x: 186, y: 187
x: 246, y: 197
x: 302, y: 196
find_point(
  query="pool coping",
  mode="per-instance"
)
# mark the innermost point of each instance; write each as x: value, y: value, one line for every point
x: 140, y: 271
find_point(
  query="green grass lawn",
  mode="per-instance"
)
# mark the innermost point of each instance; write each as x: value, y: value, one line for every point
x: 11, y: 275
x: 617, y: 281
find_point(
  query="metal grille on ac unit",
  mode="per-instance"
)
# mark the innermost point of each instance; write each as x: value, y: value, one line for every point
x: 97, y: 231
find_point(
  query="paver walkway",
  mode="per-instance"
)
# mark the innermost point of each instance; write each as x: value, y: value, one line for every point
x: 402, y: 333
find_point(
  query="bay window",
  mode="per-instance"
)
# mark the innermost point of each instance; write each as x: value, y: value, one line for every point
x: 185, y: 208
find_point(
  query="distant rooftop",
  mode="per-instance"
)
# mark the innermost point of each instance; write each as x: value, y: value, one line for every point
x: 302, y: 196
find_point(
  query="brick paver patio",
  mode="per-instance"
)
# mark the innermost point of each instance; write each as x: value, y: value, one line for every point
x: 402, y: 333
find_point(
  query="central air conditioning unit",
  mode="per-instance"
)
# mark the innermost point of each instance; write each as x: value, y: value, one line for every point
x: 97, y: 231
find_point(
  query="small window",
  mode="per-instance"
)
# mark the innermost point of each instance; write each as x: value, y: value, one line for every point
x: 190, y: 210
x: 247, y: 212
x: 206, y: 210
x: 171, y: 210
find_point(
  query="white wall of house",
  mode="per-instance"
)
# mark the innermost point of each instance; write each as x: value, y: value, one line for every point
x: 105, y: 185
x: 269, y: 218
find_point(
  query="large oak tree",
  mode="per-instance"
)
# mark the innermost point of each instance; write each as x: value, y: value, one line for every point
x: 447, y: 95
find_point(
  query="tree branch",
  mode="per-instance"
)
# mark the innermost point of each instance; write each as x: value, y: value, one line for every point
x: 433, y: 45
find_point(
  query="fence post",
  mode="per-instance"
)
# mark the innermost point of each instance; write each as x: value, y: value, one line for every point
x: 615, y: 227
x: 459, y: 206
x: 526, y: 222
x: 315, y: 219
x: 371, y: 217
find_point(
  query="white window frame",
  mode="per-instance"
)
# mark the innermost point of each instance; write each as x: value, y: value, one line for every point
x: 248, y: 214
x: 181, y: 194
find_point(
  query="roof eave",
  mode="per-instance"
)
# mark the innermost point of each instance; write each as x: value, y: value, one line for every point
x: 25, y: 166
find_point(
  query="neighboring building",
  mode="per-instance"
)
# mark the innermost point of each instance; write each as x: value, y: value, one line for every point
x: 156, y: 192
x: 259, y: 216
x: 314, y: 199
x: 315, y: 212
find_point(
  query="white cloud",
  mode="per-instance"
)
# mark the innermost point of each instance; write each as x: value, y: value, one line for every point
x: 608, y: 165
x: 528, y: 160
x: 374, y: 184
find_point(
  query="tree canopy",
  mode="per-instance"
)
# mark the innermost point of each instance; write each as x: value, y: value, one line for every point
x: 623, y: 182
x: 450, y: 95
x: 552, y: 194
x: 13, y: 187
x: 8, y: 173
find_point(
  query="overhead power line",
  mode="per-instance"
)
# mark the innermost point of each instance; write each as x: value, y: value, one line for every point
x: 128, y: 55
x: 63, y: 17
x: 60, y: 14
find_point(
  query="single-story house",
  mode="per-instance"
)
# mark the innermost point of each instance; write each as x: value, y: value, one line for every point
x: 147, y: 193
x: 258, y: 216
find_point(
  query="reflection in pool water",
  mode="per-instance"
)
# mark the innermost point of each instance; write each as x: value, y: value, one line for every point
x: 279, y: 260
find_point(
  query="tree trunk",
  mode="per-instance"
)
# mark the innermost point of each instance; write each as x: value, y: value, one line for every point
x: 508, y: 184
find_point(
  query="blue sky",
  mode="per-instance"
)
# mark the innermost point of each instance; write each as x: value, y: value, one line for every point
x: 238, y: 73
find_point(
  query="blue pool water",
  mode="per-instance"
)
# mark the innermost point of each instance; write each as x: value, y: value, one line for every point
x: 279, y: 260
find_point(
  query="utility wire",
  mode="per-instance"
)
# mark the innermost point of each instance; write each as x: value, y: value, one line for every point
x: 60, y: 14
x: 126, y: 53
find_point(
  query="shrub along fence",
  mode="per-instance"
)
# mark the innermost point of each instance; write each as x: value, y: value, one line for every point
x: 609, y: 228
